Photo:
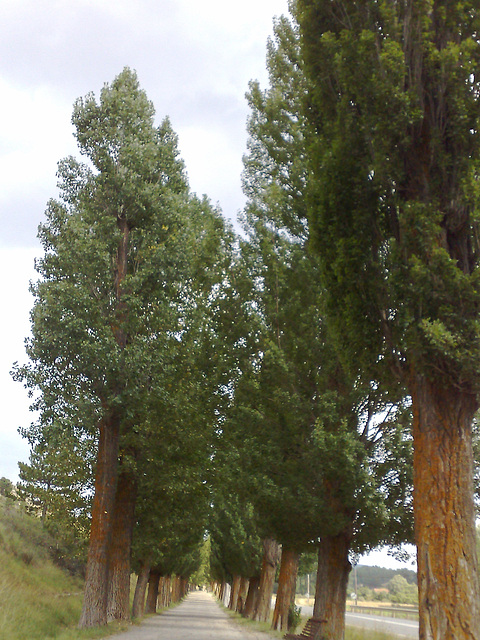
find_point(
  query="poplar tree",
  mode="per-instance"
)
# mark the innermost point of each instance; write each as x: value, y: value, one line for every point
x: 393, y: 149
x: 108, y: 301
x: 312, y: 430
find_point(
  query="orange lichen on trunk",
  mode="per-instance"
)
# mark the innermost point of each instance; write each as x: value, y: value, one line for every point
x: 287, y: 580
x: 444, y: 512
x: 331, y: 590
x: 271, y: 552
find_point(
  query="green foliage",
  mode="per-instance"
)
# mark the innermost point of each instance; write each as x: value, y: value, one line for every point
x: 304, y: 426
x: 6, y: 488
x: 37, y: 598
x: 294, y: 618
x: 401, y: 591
x: 393, y: 204
x: 123, y: 326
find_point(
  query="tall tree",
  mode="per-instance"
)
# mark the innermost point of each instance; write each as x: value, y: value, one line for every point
x: 312, y: 427
x: 393, y: 107
x: 110, y: 287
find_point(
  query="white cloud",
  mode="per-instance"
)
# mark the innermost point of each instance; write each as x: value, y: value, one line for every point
x: 16, y: 267
x: 34, y: 132
x: 194, y: 59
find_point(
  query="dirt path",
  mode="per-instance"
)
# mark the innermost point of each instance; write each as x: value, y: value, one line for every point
x: 198, y: 617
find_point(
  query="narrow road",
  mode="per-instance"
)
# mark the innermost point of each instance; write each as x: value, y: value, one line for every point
x: 198, y: 617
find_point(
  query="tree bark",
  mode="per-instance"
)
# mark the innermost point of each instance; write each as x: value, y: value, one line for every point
x: 234, y: 593
x: 152, y: 595
x: 221, y: 595
x: 252, y: 597
x: 242, y: 594
x: 331, y: 588
x: 95, y: 601
x: 176, y: 589
x: 138, y: 606
x: 287, y: 581
x: 118, y: 607
x: 444, y: 512
x: 94, y: 611
x: 271, y: 553
x: 165, y: 592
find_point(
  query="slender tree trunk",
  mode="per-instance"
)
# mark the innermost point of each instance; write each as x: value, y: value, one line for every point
x: 138, y: 606
x: 252, y: 597
x: 331, y: 589
x: 94, y: 611
x: 287, y: 580
x: 271, y: 553
x: 118, y: 607
x: 444, y: 512
x: 234, y: 593
x: 152, y: 595
x: 242, y: 595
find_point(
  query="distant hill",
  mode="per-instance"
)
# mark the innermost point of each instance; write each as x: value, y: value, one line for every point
x: 377, y: 577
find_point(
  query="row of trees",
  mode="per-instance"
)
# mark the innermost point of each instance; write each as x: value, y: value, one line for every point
x: 262, y: 387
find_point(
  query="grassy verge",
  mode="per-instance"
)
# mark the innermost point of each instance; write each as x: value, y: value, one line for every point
x: 351, y: 633
x: 38, y: 600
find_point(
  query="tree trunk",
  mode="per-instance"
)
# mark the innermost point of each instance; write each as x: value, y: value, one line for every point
x: 95, y: 600
x: 271, y: 553
x: 152, y: 595
x: 234, y: 593
x: 444, y: 512
x: 94, y: 611
x: 252, y: 597
x: 118, y: 607
x: 287, y: 581
x: 165, y: 593
x: 138, y: 606
x: 221, y: 595
x: 242, y: 595
x: 176, y: 589
x: 331, y: 589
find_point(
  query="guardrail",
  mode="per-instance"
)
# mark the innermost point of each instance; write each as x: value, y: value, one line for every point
x: 391, y: 612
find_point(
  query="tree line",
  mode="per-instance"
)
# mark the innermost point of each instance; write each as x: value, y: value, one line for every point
x: 282, y: 388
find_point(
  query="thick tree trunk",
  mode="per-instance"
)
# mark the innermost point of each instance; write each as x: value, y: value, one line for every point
x: 176, y: 589
x: 138, y: 606
x: 331, y: 589
x: 287, y: 580
x: 94, y: 611
x: 252, y: 597
x: 242, y: 594
x: 234, y: 593
x: 444, y: 512
x: 165, y: 592
x: 184, y: 587
x: 118, y: 607
x: 271, y: 553
x: 152, y: 595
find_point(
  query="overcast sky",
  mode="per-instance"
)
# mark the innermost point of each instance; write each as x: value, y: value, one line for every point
x: 194, y: 58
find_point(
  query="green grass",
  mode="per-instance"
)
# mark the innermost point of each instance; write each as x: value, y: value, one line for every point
x: 351, y: 633
x: 38, y: 600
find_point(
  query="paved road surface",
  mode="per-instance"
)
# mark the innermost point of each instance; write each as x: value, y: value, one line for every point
x: 198, y: 617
